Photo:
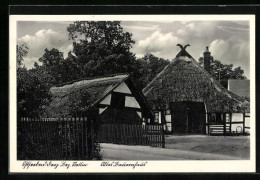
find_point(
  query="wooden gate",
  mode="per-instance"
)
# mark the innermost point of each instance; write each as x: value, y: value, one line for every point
x: 146, y: 135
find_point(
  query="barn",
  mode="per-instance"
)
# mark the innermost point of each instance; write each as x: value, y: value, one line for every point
x: 112, y: 100
x: 187, y: 99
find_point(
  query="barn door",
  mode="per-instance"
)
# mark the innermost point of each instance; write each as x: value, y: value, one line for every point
x: 188, y: 117
x: 179, y: 117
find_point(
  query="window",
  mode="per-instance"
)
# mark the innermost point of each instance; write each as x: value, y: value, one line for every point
x: 216, y: 118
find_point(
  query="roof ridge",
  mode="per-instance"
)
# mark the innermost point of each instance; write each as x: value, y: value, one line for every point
x: 90, y: 78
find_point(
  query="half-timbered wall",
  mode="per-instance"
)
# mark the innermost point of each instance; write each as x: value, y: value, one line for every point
x: 119, y: 103
x: 236, y: 126
x: 175, y: 118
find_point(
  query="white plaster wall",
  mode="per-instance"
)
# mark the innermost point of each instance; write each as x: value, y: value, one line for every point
x: 107, y: 100
x: 123, y: 88
x: 139, y: 114
x: 247, y: 124
x: 169, y: 127
x: 101, y: 110
x: 131, y: 102
x: 168, y: 118
x: 160, y: 117
x: 239, y: 117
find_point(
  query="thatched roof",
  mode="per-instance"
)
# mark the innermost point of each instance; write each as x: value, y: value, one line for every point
x: 185, y: 80
x: 80, y: 96
x: 240, y: 87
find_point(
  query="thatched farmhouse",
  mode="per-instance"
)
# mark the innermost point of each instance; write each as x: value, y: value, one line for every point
x: 187, y: 99
x: 113, y: 100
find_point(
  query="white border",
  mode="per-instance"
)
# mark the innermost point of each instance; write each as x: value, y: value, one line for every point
x: 152, y: 166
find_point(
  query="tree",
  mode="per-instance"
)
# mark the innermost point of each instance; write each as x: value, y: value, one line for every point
x: 148, y: 67
x: 55, y: 69
x: 223, y: 72
x: 50, y: 72
x: 101, y: 47
x: 32, y: 95
x: 21, y: 52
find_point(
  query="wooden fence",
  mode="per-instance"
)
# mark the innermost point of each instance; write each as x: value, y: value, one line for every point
x: 147, y: 135
x: 55, y: 139
x: 218, y: 129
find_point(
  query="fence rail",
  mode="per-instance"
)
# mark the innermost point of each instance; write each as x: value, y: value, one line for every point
x: 147, y: 135
x: 219, y: 129
x: 55, y: 138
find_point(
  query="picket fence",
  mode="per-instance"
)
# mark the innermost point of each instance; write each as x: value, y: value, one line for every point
x: 55, y: 139
x: 146, y: 135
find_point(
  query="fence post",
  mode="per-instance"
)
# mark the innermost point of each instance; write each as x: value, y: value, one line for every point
x: 244, y: 123
x: 86, y: 131
x: 163, y: 138
x: 82, y: 137
x: 74, y: 138
x: 230, y: 121
x: 77, y: 134
x: 224, y: 120
x: 208, y: 114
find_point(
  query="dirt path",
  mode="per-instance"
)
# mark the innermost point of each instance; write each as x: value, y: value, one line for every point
x: 237, y: 146
x: 124, y: 152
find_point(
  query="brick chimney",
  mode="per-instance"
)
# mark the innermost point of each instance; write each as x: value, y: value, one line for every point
x: 207, y: 59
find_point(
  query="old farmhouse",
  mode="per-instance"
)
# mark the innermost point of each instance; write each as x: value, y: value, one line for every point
x: 187, y: 99
x: 112, y: 100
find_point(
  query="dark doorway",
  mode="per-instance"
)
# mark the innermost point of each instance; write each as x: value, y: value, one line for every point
x: 188, y: 117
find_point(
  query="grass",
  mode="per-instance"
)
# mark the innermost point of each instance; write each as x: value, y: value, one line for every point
x: 238, y: 146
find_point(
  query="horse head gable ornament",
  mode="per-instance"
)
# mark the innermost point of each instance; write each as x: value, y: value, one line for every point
x: 182, y: 46
x: 183, y: 51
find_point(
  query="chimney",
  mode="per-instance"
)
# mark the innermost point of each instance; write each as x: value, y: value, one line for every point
x: 207, y: 59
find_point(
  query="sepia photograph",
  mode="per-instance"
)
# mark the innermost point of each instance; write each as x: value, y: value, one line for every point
x: 127, y: 91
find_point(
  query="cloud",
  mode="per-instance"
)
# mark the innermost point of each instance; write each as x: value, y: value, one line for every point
x: 141, y: 27
x: 158, y: 44
x: 197, y: 29
x: 29, y: 62
x: 65, y: 49
x: 219, y: 48
x: 232, y: 51
x: 188, y: 28
x: 42, y: 39
x: 228, y: 47
x: 233, y: 29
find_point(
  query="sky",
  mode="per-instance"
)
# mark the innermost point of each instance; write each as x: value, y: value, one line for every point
x: 228, y: 41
